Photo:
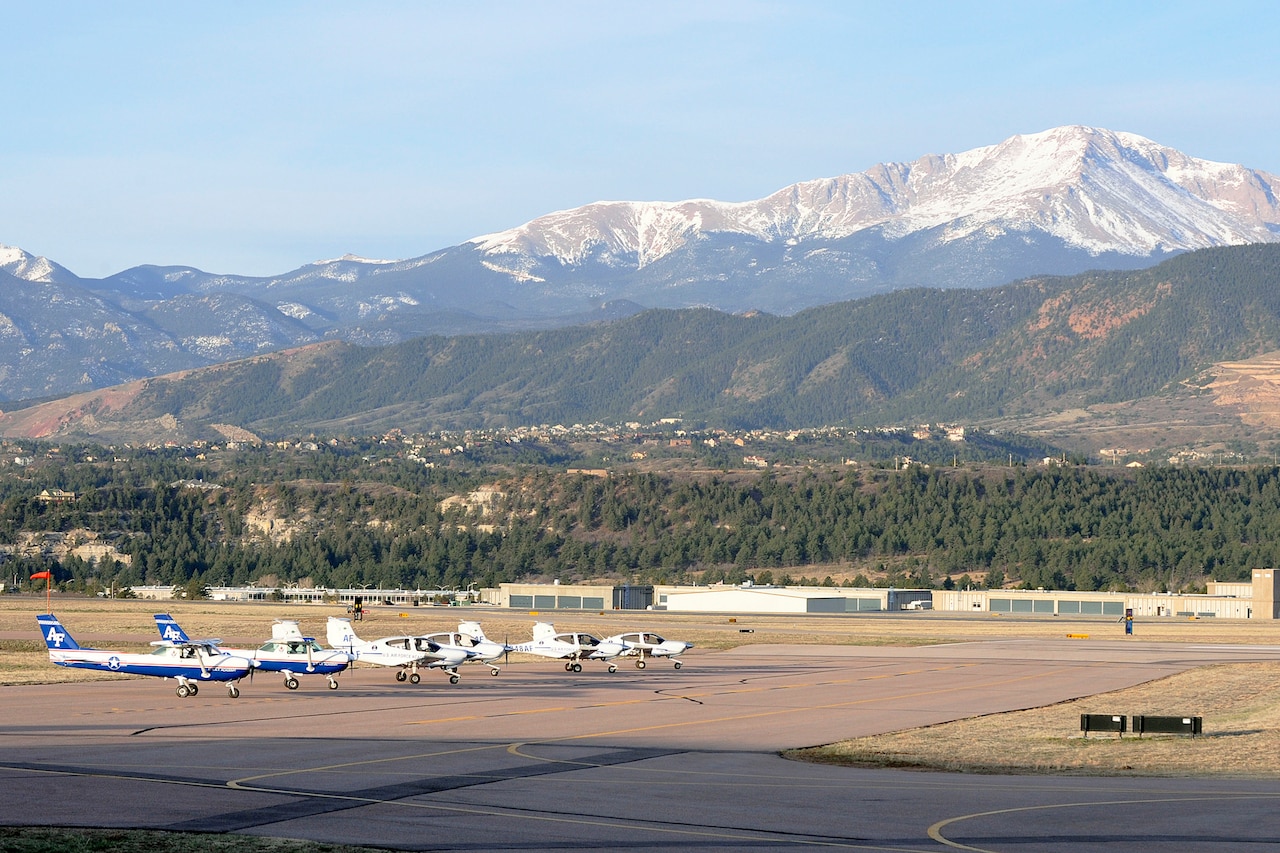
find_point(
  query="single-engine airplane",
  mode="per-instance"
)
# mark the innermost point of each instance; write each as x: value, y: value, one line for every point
x: 406, y: 652
x: 645, y: 644
x: 471, y: 639
x: 186, y: 662
x: 573, y: 647
x: 287, y: 651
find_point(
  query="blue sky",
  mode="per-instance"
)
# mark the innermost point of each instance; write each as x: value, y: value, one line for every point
x: 250, y: 137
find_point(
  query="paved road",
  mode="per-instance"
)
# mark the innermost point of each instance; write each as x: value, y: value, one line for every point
x: 540, y: 759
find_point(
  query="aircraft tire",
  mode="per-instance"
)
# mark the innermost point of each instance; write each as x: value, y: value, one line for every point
x: 640, y: 664
x: 415, y: 678
x: 493, y: 672
x: 401, y: 675
x: 291, y: 683
x: 613, y: 667
x: 577, y: 667
x: 233, y: 692
x: 193, y: 689
x: 183, y: 691
x: 455, y: 678
x: 678, y: 664
x: 568, y: 667
x: 333, y: 685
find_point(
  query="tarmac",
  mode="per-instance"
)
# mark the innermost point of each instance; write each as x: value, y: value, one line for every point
x: 658, y: 759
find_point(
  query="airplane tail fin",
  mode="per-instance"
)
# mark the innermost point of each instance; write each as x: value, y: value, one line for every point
x: 55, y: 636
x: 472, y: 630
x: 341, y: 635
x: 170, y: 630
x: 286, y: 629
x: 543, y: 630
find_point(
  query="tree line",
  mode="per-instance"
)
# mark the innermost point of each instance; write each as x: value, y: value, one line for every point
x: 347, y: 519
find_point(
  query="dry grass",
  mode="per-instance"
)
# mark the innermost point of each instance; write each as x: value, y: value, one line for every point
x: 1240, y: 704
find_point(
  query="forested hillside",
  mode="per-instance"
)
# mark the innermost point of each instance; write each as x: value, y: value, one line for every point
x: 915, y: 356
x: 368, y: 515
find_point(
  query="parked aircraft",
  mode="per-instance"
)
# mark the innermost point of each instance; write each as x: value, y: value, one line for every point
x: 471, y: 639
x: 406, y: 652
x: 572, y: 647
x: 644, y: 644
x: 187, y: 663
x: 287, y: 651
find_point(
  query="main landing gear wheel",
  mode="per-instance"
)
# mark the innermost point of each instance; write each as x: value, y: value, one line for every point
x: 678, y: 664
x: 291, y: 683
x: 494, y: 671
x: 233, y: 692
x: 640, y: 664
x: 184, y: 691
x: 455, y: 678
x: 577, y: 667
x: 415, y: 678
x: 613, y: 667
x: 333, y: 685
x: 401, y: 675
x: 568, y: 667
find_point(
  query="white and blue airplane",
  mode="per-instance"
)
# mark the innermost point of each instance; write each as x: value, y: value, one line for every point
x: 572, y: 647
x: 187, y: 663
x: 646, y: 644
x: 287, y: 651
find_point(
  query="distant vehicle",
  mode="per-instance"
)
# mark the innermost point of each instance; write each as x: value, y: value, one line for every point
x: 918, y: 604
x: 404, y: 651
x: 644, y: 644
x: 287, y: 651
x: 572, y: 647
x: 188, y: 663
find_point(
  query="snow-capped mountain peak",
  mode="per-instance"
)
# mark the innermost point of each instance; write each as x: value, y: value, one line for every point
x: 1092, y: 189
x: 30, y: 267
x: 350, y: 258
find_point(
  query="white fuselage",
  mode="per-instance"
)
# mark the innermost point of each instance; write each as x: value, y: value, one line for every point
x: 571, y: 645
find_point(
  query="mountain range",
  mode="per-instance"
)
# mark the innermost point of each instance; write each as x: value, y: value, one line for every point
x: 1060, y: 202
x: 1183, y: 354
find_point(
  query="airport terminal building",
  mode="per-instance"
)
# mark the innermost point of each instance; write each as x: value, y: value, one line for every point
x: 1226, y: 600
x: 1259, y: 599
x: 720, y: 598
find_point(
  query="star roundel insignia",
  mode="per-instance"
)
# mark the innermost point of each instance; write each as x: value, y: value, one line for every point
x: 113, y: 662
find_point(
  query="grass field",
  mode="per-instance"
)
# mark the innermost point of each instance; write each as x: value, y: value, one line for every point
x: 1240, y: 703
